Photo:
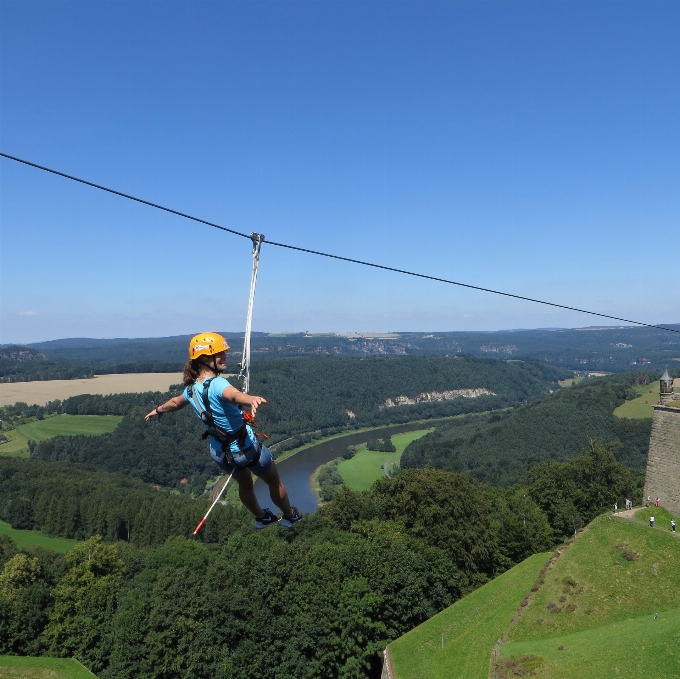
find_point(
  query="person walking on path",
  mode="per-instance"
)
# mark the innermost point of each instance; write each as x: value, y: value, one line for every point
x: 651, y: 522
x: 673, y: 525
x: 233, y: 445
x: 616, y: 507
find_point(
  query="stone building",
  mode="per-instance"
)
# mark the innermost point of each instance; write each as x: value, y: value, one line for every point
x: 663, y: 463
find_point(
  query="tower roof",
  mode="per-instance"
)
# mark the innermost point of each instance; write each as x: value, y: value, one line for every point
x: 666, y: 377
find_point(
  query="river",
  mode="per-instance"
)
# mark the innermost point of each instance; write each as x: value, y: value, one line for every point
x: 296, y: 471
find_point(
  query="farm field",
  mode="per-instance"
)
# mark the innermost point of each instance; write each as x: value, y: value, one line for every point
x: 16, y: 667
x: 56, y: 425
x: 40, y: 393
x: 366, y: 466
x: 640, y: 407
x: 470, y: 628
x: 29, y: 538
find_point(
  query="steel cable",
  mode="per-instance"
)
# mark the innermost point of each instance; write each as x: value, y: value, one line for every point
x: 339, y: 257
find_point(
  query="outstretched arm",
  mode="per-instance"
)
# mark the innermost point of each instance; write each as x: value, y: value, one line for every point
x: 175, y: 403
x: 233, y: 395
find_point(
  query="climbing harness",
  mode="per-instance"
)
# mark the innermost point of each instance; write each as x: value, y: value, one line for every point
x: 244, y: 374
x: 211, y: 429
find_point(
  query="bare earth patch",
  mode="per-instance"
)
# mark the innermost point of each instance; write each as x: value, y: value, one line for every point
x: 41, y: 392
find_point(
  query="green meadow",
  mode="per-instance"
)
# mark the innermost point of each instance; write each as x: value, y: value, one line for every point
x: 16, y: 667
x: 56, y: 425
x: 640, y: 407
x: 470, y: 628
x: 30, y: 538
x: 67, y: 425
x: 367, y: 466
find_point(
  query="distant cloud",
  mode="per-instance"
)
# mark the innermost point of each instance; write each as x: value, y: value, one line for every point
x: 27, y: 313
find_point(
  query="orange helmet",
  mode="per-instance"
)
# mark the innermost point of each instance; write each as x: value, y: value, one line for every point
x: 207, y: 344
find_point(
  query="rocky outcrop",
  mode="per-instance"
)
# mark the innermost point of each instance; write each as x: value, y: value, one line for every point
x: 435, y: 396
x: 15, y: 353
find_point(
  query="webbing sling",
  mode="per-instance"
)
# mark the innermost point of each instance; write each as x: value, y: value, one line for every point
x: 244, y: 374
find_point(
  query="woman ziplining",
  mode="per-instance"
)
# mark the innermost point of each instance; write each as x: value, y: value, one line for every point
x: 233, y: 444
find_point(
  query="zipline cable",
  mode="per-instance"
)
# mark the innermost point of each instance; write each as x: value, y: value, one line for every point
x: 124, y: 195
x: 339, y: 257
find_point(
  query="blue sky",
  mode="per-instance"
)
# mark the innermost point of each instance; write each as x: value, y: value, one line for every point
x: 531, y: 147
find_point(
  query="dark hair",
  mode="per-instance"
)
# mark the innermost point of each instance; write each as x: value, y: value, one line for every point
x: 192, y: 369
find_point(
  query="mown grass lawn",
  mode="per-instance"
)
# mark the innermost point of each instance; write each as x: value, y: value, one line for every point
x: 637, y: 648
x: 16, y: 667
x: 29, y: 538
x: 640, y: 407
x: 470, y: 627
x: 367, y: 466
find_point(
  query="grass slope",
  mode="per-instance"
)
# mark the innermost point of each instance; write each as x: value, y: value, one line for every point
x: 640, y: 407
x: 662, y: 518
x: 29, y: 538
x: 367, y: 466
x: 17, y: 446
x: 56, y: 425
x: 470, y: 627
x: 606, y: 588
x: 15, y: 667
x: 597, y: 600
x: 637, y: 648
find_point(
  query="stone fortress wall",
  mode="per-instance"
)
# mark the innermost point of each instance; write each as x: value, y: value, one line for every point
x: 663, y: 463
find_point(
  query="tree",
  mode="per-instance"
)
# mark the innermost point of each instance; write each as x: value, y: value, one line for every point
x: 444, y: 510
x: 85, y: 600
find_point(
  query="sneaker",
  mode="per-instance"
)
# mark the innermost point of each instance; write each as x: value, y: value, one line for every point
x: 288, y: 521
x: 267, y: 520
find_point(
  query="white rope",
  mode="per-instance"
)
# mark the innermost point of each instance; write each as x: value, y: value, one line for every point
x: 244, y: 375
x: 217, y: 499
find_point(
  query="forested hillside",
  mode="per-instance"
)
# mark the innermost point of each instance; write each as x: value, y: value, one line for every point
x: 310, y: 395
x: 22, y: 364
x: 501, y: 447
x: 319, y: 601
